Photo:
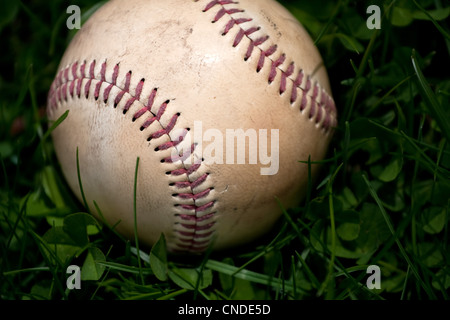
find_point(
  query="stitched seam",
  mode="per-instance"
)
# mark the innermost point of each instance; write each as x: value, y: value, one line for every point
x: 196, y: 221
x: 322, y: 106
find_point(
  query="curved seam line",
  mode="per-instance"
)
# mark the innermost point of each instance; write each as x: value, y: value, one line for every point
x: 55, y: 96
x: 306, y: 91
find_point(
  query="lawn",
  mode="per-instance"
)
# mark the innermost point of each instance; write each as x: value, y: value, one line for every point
x: 382, y: 199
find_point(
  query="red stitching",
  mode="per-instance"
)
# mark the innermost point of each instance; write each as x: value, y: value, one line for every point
x: 193, y: 239
x: 167, y: 130
x: 193, y: 185
x: 171, y: 144
x: 216, y: 2
x: 198, y: 209
x: 224, y: 11
x: 187, y: 196
x: 148, y: 108
x: 188, y: 172
x: 320, y: 103
x: 186, y: 217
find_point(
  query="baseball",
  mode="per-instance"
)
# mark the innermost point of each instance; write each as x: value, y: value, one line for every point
x: 220, y: 101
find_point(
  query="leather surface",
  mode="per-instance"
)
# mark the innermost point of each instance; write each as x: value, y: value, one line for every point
x: 168, y: 65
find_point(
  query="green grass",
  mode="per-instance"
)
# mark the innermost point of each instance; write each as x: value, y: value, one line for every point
x: 382, y: 199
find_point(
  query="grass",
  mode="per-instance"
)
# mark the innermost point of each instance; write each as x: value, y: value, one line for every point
x: 383, y: 197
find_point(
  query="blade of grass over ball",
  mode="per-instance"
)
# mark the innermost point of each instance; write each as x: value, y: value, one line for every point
x: 110, y: 227
x: 54, y: 126
x: 136, y: 236
x: 309, y: 185
x: 80, y: 183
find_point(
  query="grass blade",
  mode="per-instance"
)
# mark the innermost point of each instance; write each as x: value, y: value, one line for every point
x: 249, y: 275
x: 308, y: 271
x: 399, y: 244
x: 437, y: 25
x: 436, y: 110
x: 125, y: 268
x: 136, y: 237
x: 37, y: 269
x: 80, y: 183
x: 333, y: 232
x: 55, y: 125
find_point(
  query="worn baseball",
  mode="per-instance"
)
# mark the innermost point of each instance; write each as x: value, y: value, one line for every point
x: 221, y: 101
